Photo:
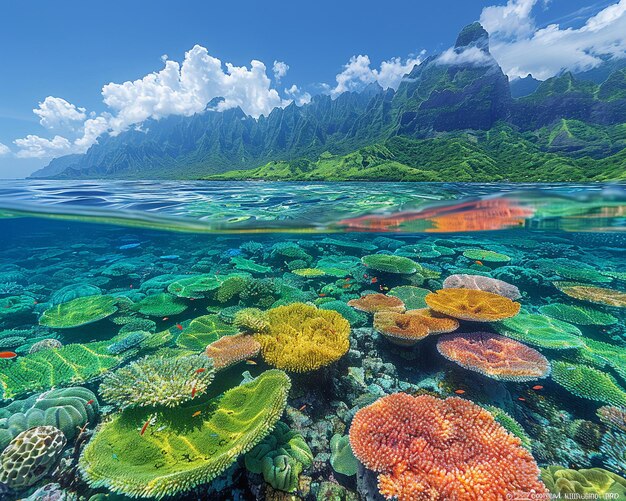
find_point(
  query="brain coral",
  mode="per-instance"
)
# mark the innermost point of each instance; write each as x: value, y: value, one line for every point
x: 302, y: 338
x: 425, y: 448
x: 408, y: 328
x: 64, y: 408
x: 599, y: 295
x: 470, y: 304
x: 587, y: 382
x: 30, y: 456
x: 181, y: 451
x: 479, y: 282
x: 542, y: 331
x: 155, y: 380
x: 495, y: 356
x: 79, y: 311
x: 390, y: 264
x: 229, y: 350
x: 595, y: 481
x: 371, y: 303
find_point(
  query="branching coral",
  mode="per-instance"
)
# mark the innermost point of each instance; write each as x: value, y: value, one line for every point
x: 302, y: 338
x: 406, y: 329
x: 156, y: 380
x: 425, y: 448
x: 469, y: 304
x: 371, y: 303
x: 229, y: 350
x: 183, y: 450
x: 495, y: 356
x: 251, y: 320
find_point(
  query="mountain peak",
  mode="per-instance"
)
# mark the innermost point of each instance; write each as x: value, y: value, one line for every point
x: 473, y: 35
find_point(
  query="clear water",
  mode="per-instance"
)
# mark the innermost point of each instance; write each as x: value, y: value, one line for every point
x: 562, y: 246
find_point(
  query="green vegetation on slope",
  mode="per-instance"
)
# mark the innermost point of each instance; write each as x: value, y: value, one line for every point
x: 482, y: 156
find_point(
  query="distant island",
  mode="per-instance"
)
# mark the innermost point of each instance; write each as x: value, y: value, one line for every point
x: 453, y: 118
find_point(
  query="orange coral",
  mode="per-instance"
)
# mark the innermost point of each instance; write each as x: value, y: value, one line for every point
x: 496, y: 356
x: 371, y: 303
x: 229, y: 350
x: 598, y: 295
x: 409, y: 327
x: 425, y: 448
x: 471, y: 304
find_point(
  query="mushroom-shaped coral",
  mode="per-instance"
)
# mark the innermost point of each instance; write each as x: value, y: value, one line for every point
x: 156, y: 380
x: 482, y: 283
x: 371, y: 303
x: 426, y: 448
x: 587, y: 382
x: 79, y: 311
x: 495, y: 356
x: 542, y: 331
x: 595, y: 481
x: 342, y: 459
x: 182, y: 449
x: 578, y: 315
x: 387, y: 263
x: 229, y: 350
x: 598, y: 295
x: 406, y: 329
x: 470, y: 304
x: 302, y: 338
x: 31, y: 456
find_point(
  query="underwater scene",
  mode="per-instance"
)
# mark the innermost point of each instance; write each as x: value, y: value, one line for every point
x: 282, y: 341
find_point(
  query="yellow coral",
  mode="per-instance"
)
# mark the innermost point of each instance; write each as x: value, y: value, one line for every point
x: 302, y: 338
x: 474, y: 305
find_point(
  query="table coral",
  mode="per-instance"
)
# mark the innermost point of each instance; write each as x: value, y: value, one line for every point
x: 79, y: 311
x: 406, y: 329
x: 470, y: 304
x: 479, y: 282
x: 371, y: 303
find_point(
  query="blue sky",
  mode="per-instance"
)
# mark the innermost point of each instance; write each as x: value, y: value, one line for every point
x: 68, y: 50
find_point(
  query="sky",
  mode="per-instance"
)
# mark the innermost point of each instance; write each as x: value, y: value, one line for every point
x: 74, y: 70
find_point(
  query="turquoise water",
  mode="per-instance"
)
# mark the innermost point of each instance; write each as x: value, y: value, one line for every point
x: 211, y: 340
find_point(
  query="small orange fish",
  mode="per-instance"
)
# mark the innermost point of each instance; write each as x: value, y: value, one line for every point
x: 250, y: 362
x: 521, y: 399
x: 193, y: 391
x: 302, y: 408
x: 7, y: 354
x: 196, y: 414
x: 322, y: 295
x: 200, y: 370
x: 91, y: 402
x: 479, y: 263
x: 145, y: 426
x: 537, y: 387
x: 459, y: 392
x: 179, y: 327
x: 374, y: 280
x: 345, y: 286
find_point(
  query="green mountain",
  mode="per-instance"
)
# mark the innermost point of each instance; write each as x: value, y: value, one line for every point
x: 452, y: 118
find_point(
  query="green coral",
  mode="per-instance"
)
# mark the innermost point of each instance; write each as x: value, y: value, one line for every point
x: 72, y: 363
x: 597, y: 481
x: 540, y: 330
x: 160, y: 305
x: 231, y: 288
x: 154, y: 380
x: 341, y: 457
x: 510, y: 424
x: 309, y: 272
x: 412, y: 297
x: 355, y: 317
x: 486, y: 255
x: 281, y: 456
x: 79, y: 311
x: 73, y: 291
x: 196, y: 286
x: 587, y: 382
x: 181, y: 451
x: 579, y: 315
x: 251, y: 320
x: 67, y: 409
x: 243, y: 264
x: 202, y: 331
x: 390, y: 264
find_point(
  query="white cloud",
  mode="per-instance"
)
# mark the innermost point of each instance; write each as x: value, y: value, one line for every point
x: 470, y: 55
x: 185, y: 89
x: 358, y: 73
x: 4, y: 149
x: 298, y: 95
x: 38, y: 147
x: 512, y: 19
x: 57, y: 113
x: 546, y: 51
x: 279, y: 69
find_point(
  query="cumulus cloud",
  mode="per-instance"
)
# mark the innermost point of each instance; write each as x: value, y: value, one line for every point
x: 4, y: 149
x: 470, y: 55
x: 57, y: 113
x: 298, y: 95
x: 279, y: 69
x: 546, y: 51
x: 33, y: 146
x: 358, y: 73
